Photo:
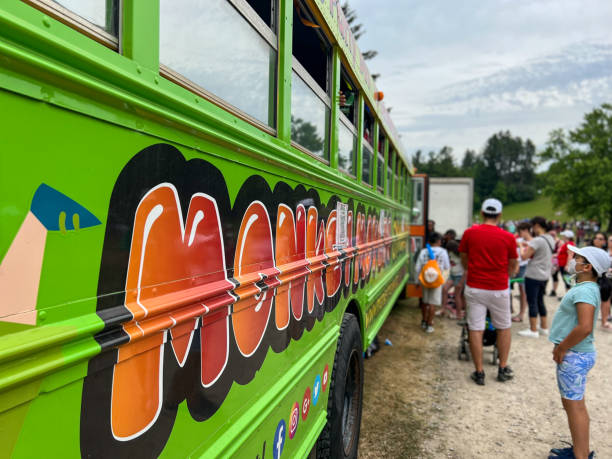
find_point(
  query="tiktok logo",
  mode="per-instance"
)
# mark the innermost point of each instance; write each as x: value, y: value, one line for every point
x: 295, y: 418
x: 316, y: 389
x: 279, y: 439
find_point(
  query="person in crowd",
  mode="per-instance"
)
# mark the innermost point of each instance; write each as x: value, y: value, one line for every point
x: 432, y: 297
x: 539, y: 250
x: 489, y: 255
x: 563, y: 255
x: 600, y: 241
x: 450, y: 235
x: 455, y: 280
x: 572, y: 335
x: 524, y: 236
x: 555, y: 263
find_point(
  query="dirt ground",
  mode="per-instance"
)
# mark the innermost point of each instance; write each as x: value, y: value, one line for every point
x: 419, y: 401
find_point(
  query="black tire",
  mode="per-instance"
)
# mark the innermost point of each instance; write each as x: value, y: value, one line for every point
x: 340, y: 436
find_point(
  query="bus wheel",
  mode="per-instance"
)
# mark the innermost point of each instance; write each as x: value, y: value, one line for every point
x: 340, y: 437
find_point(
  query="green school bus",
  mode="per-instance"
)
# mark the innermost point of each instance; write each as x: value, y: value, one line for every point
x: 204, y: 222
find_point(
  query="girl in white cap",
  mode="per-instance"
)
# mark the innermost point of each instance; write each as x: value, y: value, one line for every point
x: 572, y: 334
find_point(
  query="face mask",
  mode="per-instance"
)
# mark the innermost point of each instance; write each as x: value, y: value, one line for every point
x: 571, y: 267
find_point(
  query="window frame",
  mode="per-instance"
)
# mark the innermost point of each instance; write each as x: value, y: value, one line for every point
x: 269, y: 36
x: 79, y: 23
x: 322, y: 94
x: 380, y: 186
x: 345, y: 121
x: 367, y: 147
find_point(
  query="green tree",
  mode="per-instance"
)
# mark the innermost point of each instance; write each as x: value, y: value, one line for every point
x: 306, y: 135
x: 511, y: 161
x: 580, y: 174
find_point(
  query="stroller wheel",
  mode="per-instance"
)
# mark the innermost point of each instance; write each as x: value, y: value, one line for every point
x: 495, y: 356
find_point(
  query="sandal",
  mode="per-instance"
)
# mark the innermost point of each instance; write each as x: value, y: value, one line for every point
x: 607, y: 327
x: 517, y: 319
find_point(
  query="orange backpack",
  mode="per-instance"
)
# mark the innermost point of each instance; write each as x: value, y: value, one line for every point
x: 431, y: 276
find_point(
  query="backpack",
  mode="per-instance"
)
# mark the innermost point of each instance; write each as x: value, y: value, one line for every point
x: 431, y: 276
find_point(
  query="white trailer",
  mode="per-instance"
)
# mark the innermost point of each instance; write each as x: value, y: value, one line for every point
x: 451, y: 203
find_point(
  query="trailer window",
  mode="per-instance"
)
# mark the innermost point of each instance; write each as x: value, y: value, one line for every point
x: 224, y: 51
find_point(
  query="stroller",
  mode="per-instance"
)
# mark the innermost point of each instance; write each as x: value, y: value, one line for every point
x: 489, y: 338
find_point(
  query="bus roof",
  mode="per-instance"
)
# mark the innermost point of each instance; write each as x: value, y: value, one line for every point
x: 330, y: 11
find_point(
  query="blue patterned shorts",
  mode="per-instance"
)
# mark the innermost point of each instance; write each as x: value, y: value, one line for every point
x: 571, y: 374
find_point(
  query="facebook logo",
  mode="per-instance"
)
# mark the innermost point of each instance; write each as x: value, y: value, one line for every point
x: 316, y: 390
x: 279, y: 439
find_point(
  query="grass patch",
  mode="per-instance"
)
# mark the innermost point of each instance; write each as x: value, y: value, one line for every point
x: 541, y: 206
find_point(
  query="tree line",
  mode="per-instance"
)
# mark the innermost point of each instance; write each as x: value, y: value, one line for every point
x: 506, y: 168
x: 578, y: 178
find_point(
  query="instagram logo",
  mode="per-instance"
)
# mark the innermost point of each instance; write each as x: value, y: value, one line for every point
x: 295, y: 417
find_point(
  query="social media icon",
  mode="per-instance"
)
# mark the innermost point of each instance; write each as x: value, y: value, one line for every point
x: 316, y: 390
x: 306, y: 404
x: 295, y: 418
x: 325, y: 377
x: 279, y: 439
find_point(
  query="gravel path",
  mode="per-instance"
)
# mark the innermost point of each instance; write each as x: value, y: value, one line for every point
x: 419, y: 401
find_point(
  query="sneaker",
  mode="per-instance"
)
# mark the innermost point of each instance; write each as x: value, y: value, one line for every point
x: 423, y: 324
x: 528, y: 333
x: 478, y: 377
x: 543, y: 331
x: 429, y: 329
x: 505, y: 374
x: 567, y: 453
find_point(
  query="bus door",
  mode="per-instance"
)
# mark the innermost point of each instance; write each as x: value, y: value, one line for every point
x: 418, y: 230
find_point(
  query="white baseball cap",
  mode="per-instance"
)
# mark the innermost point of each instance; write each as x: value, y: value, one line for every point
x: 567, y: 233
x: 492, y: 206
x: 597, y: 257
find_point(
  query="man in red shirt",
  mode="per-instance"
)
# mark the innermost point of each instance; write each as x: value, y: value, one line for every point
x: 490, y: 257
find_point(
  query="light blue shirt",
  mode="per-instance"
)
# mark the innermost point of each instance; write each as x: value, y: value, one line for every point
x: 566, y: 317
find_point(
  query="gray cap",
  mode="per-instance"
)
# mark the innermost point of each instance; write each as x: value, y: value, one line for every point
x: 597, y: 257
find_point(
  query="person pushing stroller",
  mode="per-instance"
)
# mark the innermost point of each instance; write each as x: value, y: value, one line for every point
x: 490, y: 257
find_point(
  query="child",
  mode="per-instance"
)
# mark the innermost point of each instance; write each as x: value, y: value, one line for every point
x: 432, y: 296
x: 456, y: 280
x: 572, y: 334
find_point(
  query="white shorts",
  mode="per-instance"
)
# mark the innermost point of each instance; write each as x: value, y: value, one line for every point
x: 497, y: 302
x: 432, y: 296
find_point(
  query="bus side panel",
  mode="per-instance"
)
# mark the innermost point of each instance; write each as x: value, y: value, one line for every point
x: 211, y: 291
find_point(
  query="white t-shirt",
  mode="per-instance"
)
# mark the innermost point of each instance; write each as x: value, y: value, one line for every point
x: 440, y: 254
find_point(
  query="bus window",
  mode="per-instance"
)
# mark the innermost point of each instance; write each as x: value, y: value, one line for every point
x: 266, y: 11
x: 310, y: 101
x: 367, y: 163
x: 347, y: 128
x: 397, y: 182
x: 390, y: 172
x: 380, y: 173
x: 346, y: 149
x: 98, y: 19
x: 368, y: 125
x: 222, y: 50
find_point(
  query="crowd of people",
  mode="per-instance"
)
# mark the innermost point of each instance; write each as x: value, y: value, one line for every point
x: 478, y: 273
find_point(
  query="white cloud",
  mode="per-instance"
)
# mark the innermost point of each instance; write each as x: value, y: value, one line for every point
x: 457, y: 73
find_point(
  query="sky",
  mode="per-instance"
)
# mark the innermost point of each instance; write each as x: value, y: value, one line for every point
x: 455, y: 73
